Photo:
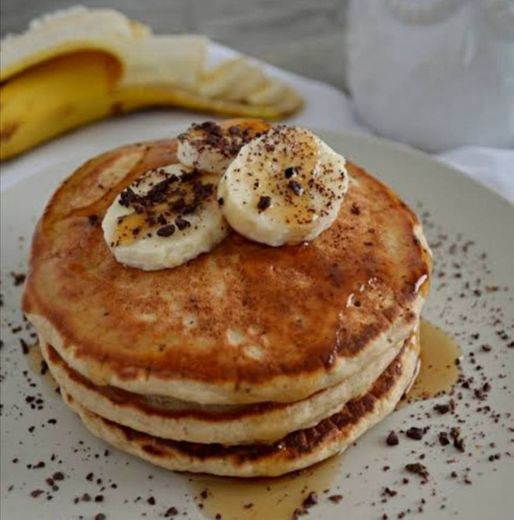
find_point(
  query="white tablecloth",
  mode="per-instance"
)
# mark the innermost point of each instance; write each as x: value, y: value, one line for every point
x: 326, y: 108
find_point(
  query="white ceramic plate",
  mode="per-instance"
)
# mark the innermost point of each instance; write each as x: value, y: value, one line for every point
x: 463, y: 222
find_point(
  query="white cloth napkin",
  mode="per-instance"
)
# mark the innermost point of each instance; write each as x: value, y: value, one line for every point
x: 326, y: 108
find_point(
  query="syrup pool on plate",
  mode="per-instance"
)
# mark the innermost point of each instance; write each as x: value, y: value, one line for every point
x: 253, y: 499
x: 439, y: 370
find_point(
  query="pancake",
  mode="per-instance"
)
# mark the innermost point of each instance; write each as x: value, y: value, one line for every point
x: 225, y: 424
x: 295, y: 451
x: 245, y: 323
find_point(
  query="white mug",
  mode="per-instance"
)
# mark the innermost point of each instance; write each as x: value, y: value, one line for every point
x: 437, y: 74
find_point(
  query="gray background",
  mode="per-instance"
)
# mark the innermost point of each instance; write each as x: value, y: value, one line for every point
x: 305, y: 36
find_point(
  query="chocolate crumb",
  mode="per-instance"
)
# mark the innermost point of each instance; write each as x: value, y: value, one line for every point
x: 24, y: 346
x: 297, y: 513
x: 459, y: 444
x: 264, y: 203
x: 100, y: 516
x: 151, y: 501
x: 93, y: 220
x: 310, y: 500
x: 458, y: 441
x: 18, y: 278
x: 445, y: 408
x: 171, y: 511
x: 392, y: 439
x: 166, y: 231
x: 389, y: 492
x: 415, y: 433
x: 418, y: 469
x: 36, y: 492
x: 335, y: 498
x: 182, y: 223
x: 127, y: 197
x: 289, y: 172
x: 355, y: 210
x: 221, y: 201
x: 443, y: 439
x: 296, y: 187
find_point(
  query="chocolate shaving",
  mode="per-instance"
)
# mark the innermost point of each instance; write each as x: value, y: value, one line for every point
x: 18, y: 278
x: 392, y: 439
x: 166, y: 231
x: 289, y: 172
x: 264, y: 203
x: 415, y: 433
x: 295, y: 187
x: 127, y: 197
x: 310, y: 500
x: 182, y: 223
x: 418, y: 469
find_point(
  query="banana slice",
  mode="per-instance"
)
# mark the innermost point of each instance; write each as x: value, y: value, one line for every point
x: 168, y: 216
x: 211, y: 147
x: 285, y: 187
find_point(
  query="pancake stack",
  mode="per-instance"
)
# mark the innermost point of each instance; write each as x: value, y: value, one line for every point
x: 247, y: 361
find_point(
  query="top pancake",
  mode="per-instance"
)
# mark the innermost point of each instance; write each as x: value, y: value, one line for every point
x: 243, y: 323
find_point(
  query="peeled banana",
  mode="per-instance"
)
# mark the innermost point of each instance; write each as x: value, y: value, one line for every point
x: 80, y: 65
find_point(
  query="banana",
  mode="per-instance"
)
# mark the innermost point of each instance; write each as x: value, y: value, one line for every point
x: 272, y: 91
x: 176, y: 60
x: 211, y: 147
x: 80, y: 65
x: 285, y: 187
x: 69, y: 30
x: 49, y: 99
x: 218, y: 80
x: 253, y: 79
x: 232, y: 80
x: 165, y: 218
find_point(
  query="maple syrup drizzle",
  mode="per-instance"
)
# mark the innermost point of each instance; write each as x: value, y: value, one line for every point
x: 125, y: 232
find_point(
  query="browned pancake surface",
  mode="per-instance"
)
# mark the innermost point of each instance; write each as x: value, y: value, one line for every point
x: 303, y: 307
